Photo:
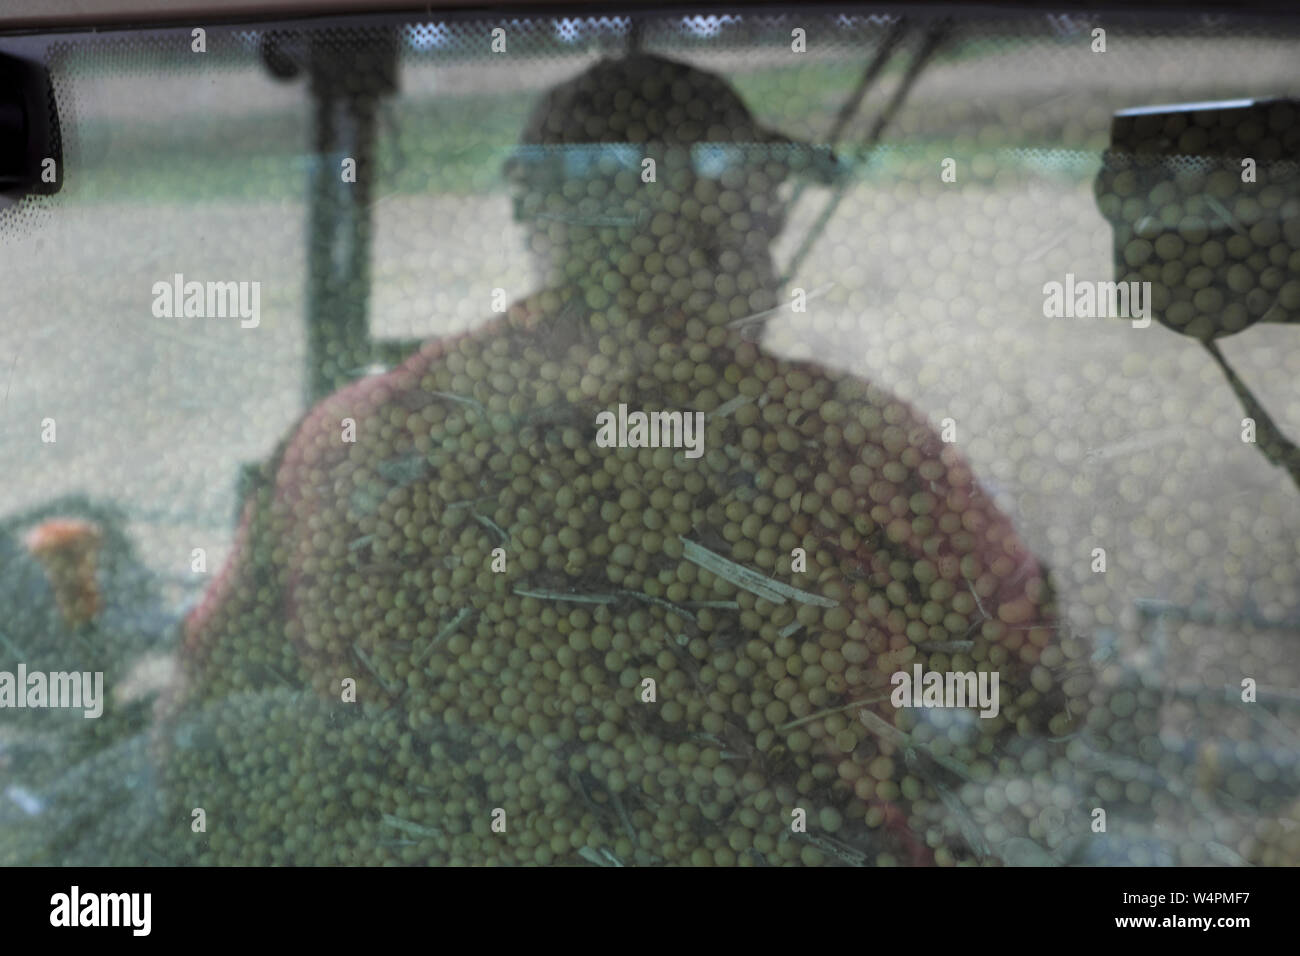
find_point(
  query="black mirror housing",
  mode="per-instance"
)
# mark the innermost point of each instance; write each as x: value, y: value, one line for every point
x: 31, y: 154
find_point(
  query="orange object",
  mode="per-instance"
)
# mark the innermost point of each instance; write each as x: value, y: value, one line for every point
x: 68, y: 550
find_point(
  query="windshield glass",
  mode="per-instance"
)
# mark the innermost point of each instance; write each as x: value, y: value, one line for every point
x: 789, y: 438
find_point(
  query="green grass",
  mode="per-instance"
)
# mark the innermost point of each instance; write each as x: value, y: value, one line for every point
x: 448, y: 145
x: 440, y: 146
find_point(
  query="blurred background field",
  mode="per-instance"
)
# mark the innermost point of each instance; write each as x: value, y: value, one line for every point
x: 935, y: 290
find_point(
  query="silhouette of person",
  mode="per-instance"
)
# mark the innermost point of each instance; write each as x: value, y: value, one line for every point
x: 451, y: 536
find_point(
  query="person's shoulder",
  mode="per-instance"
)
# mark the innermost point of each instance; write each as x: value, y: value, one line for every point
x: 356, y: 406
x: 846, y: 393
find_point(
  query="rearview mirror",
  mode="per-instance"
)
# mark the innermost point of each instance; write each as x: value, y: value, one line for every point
x: 31, y: 157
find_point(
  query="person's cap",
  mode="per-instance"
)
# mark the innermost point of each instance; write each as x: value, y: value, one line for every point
x: 604, y: 113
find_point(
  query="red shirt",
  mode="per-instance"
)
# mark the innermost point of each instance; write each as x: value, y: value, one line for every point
x: 911, y: 498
